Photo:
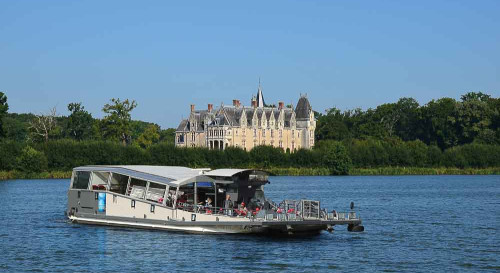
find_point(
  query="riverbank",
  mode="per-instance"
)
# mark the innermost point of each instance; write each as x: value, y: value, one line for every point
x: 386, y: 171
x: 423, y: 171
x: 4, y: 175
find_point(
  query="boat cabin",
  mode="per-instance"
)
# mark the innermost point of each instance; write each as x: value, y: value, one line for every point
x: 176, y: 187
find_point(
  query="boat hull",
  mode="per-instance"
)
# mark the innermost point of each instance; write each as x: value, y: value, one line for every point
x: 244, y: 227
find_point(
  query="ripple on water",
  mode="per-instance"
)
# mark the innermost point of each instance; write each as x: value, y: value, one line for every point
x: 414, y: 223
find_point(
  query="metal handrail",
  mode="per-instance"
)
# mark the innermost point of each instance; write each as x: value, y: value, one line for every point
x: 287, y: 210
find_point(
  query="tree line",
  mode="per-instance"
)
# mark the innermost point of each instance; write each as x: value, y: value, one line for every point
x: 79, y: 125
x: 442, y: 133
x: 444, y: 123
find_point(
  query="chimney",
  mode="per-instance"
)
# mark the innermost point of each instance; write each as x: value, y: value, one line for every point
x: 254, y: 104
x: 280, y: 105
x: 210, y: 107
x: 235, y: 102
x: 192, y: 107
x: 238, y: 103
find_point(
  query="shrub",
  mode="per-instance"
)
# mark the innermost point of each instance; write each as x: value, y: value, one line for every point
x: 31, y: 160
x: 334, y: 156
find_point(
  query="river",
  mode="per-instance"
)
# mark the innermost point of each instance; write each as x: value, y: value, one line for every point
x: 412, y: 223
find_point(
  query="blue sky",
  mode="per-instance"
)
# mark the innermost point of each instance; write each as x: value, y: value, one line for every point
x: 167, y: 55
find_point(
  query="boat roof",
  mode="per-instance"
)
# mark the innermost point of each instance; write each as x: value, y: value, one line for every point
x: 172, y: 175
x: 225, y: 172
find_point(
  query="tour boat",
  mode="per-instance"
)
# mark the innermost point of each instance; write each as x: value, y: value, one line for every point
x: 193, y: 200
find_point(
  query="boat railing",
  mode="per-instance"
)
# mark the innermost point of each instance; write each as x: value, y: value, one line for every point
x: 287, y: 210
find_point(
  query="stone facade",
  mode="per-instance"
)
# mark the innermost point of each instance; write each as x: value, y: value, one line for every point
x: 247, y: 127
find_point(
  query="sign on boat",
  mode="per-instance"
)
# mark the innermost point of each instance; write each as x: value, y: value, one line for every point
x: 193, y: 200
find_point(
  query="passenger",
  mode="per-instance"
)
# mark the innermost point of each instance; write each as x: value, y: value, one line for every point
x: 208, y: 202
x: 208, y: 205
x: 228, y: 206
x: 243, y: 211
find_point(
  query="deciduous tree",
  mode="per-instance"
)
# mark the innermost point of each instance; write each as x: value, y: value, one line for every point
x: 79, y: 125
x: 116, y: 124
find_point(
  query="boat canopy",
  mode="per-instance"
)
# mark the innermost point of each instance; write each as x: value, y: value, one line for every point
x: 172, y: 176
x: 225, y: 172
x: 175, y: 176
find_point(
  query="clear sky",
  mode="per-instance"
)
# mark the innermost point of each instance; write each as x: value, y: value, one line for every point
x: 167, y: 55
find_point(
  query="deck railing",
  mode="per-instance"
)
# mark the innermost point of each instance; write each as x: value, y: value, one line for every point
x: 287, y: 210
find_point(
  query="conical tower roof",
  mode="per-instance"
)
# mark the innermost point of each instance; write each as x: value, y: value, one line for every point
x: 260, y: 97
x: 303, y: 108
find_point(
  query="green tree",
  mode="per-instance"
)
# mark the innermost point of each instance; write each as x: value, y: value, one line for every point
x: 149, y: 137
x: 473, y: 116
x: 334, y: 156
x: 4, y: 107
x: 333, y: 125
x: 167, y: 135
x: 31, y: 160
x: 406, y: 125
x: 80, y: 122
x: 438, y: 123
x: 116, y: 125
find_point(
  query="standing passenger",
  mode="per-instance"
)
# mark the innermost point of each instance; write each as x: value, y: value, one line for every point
x: 228, y: 205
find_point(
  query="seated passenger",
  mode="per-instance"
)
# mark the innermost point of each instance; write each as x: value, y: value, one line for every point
x: 242, y: 210
x: 208, y: 205
x: 208, y: 202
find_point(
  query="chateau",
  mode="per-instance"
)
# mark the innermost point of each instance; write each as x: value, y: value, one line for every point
x: 247, y: 127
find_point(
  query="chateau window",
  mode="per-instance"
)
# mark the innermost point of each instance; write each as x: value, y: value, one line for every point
x: 281, y: 133
x: 244, y: 131
x: 293, y: 146
x: 221, y: 133
x: 244, y: 144
x: 254, y: 132
x: 236, y: 131
x: 272, y: 133
x: 293, y: 135
x: 264, y: 132
x: 180, y: 138
x: 281, y: 144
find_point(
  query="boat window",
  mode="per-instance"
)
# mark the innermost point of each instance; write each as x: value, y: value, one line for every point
x: 100, y: 180
x: 137, y: 188
x: 205, y: 190
x: 185, y: 195
x: 81, y: 180
x: 118, y: 183
x: 156, y: 192
x: 170, y: 198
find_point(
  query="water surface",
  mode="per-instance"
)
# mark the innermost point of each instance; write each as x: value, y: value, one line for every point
x: 413, y: 223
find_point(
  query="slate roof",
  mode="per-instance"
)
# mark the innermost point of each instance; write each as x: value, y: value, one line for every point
x: 182, y: 126
x: 303, y: 108
x: 230, y: 115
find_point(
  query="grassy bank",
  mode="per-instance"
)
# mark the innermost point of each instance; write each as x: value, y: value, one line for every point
x: 43, y: 175
x: 387, y: 171
x: 423, y: 171
x: 296, y: 172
